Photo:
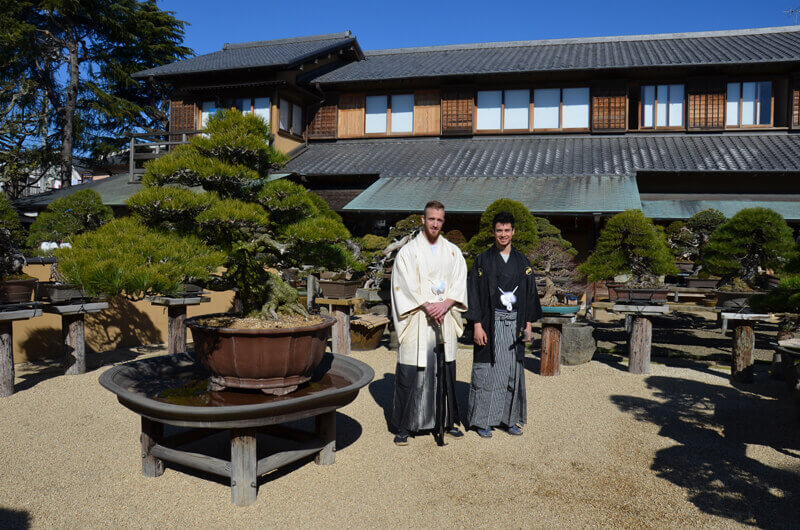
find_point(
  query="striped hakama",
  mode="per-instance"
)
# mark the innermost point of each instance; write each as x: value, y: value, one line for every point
x: 497, y: 392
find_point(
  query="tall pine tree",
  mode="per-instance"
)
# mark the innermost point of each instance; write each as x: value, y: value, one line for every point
x: 79, y: 55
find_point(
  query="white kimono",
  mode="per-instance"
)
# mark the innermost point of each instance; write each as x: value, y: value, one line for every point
x: 420, y: 276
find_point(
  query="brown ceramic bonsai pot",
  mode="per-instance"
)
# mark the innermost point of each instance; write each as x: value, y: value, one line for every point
x: 339, y: 288
x: 59, y: 293
x: 702, y: 283
x: 275, y: 361
x: 16, y: 291
x: 621, y: 294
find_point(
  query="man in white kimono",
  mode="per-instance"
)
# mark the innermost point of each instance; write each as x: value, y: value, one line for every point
x: 429, y: 288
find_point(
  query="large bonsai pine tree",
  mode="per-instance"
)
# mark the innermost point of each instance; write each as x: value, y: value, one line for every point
x: 217, y: 190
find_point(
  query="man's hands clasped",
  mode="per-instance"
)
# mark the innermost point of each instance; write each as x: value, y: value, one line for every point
x: 437, y: 310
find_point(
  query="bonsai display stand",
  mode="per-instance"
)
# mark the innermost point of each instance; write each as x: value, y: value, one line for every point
x: 341, y: 309
x: 790, y: 372
x: 73, y: 332
x: 176, y: 318
x: 744, y: 340
x: 8, y: 314
x: 640, y: 338
x: 551, y: 343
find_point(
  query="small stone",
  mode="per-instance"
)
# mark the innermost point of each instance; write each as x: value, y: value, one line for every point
x: 577, y: 344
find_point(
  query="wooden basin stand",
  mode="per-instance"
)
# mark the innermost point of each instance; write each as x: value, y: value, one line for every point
x: 641, y: 333
x: 551, y: 343
x: 73, y: 332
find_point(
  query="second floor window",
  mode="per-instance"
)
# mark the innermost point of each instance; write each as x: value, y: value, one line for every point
x: 662, y: 106
x: 393, y: 114
x: 290, y: 117
x: 376, y: 110
x: 508, y: 110
x: 561, y: 108
x: 749, y: 104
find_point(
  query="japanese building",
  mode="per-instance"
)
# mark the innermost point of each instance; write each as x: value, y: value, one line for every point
x: 576, y: 129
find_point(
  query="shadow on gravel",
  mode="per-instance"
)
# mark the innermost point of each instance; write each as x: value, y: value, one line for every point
x: 38, y: 371
x: 14, y: 519
x: 713, y: 426
x: 382, y: 391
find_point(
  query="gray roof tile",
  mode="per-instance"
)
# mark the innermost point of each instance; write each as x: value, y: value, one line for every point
x: 260, y: 54
x: 531, y: 156
x: 719, y: 47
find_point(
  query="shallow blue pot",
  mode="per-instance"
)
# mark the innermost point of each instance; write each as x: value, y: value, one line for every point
x: 560, y: 310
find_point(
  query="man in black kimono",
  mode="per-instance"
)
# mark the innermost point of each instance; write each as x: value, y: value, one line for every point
x: 503, y: 303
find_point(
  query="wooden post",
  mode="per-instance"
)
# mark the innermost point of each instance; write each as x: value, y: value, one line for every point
x: 176, y: 329
x: 72, y: 331
x: 628, y: 323
x: 639, y: 345
x: 244, y: 485
x: 744, y: 341
x: 6, y: 359
x: 326, y: 429
x: 340, y: 334
x: 152, y: 432
x: 311, y: 291
x: 551, y: 350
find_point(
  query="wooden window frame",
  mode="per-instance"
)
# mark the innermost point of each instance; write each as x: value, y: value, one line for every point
x: 654, y: 127
x: 604, y: 91
x: 740, y: 127
x: 290, y: 133
x: 560, y: 128
x: 389, y: 131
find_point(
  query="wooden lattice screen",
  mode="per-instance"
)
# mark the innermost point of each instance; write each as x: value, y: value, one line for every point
x: 457, y: 105
x: 706, y: 105
x: 181, y: 115
x: 609, y: 109
x: 796, y: 105
x: 323, y: 120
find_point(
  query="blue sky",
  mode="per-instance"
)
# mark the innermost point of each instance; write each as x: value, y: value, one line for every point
x: 408, y: 23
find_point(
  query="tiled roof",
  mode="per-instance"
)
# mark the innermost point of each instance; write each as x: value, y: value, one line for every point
x: 763, y: 45
x: 547, y: 156
x: 113, y: 190
x: 259, y: 54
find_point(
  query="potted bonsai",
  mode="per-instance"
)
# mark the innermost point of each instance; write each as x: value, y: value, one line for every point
x: 247, y: 226
x: 15, y: 286
x: 700, y: 227
x: 631, y: 249
x: 743, y: 249
x: 64, y: 218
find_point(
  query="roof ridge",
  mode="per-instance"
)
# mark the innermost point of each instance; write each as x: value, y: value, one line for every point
x: 291, y: 40
x: 587, y: 40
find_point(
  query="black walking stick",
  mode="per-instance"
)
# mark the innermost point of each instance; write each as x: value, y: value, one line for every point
x: 438, y: 432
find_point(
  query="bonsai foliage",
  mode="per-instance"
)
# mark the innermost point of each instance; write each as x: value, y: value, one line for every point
x: 681, y: 240
x: 125, y: 257
x: 406, y: 227
x: 240, y: 221
x: 629, y: 244
x: 79, y: 212
x: 11, y: 261
x: 783, y: 298
x: 9, y: 220
x: 526, y: 234
x: 753, y: 240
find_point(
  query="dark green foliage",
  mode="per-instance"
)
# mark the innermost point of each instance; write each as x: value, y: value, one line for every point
x: 406, y: 226
x: 126, y: 257
x: 79, y: 212
x: 11, y: 261
x: 526, y: 228
x: 253, y: 224
x: 753, y: 238
x: 681, y: 240
x: 629, y: 244
x: 9, y: 220
x: 703, y: 224
x: 785, y: 298
x: 548, y: 230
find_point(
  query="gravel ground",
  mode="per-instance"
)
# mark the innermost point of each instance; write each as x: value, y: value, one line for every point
x: 680, y: 447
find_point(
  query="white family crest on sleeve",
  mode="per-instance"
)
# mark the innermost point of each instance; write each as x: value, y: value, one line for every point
x: 508, y: 298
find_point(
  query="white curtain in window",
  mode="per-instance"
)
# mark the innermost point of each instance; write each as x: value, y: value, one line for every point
x: 648, y: 105
x: 489, y: 103
x: 403, y: 113
x: 261, y: 106
x: 732, y: 104
x: 283, y: 118
x: 545, y: 108
x: 376, y: 114
x: 764, y: 102
x: 576, y: 108
x: 676, y: 105
x: 516, y: 110
x: 297, y: 119
x: 208, y: 108
x: 748, y: 103
x: 662, y: 98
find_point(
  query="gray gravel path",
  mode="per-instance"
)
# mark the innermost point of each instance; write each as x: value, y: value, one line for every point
x: 678, y: 448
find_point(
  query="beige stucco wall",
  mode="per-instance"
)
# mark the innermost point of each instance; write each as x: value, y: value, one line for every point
x: 123, y: 324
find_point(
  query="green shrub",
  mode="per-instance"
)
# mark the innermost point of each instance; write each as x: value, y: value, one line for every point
x: 753, y: 238
x: 629, y: 244
x: 9, y: 219
x: 79, y: 212
x: 526, y: 228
